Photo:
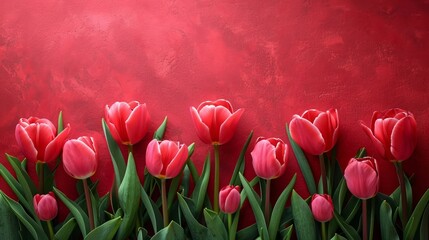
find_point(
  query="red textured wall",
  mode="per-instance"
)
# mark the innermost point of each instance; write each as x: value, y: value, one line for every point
x: 273, y: 58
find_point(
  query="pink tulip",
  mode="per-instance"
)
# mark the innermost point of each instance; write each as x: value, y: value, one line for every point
x: 45, y: 206
x: 269, y: 157
x: 322, y: 207
x: 215, y: 121
x: 316, y: 132
x: 394, y: 133
x: 128, y: 122
x: 361, y: 175
x: 165, y: 159
x: 80, y: 157
x: 229, y: 199
x: 38, y: 139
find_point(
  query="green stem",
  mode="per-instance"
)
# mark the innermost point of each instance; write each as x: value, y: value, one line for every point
x: 130, y: 148
x: 371, y: 223
x: 216, y: 180
x: 364, y: 220
x: 41, y: 175
x: 323, y: 173
x: 400, y: 173
x: 229, y: 224
x: 267, y: 201
x: 164, y: 202
x: 88, y: 203
x: 51, y: 230
x: 323, y: 231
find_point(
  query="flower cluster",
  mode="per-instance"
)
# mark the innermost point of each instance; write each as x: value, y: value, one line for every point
x: 172, y: 201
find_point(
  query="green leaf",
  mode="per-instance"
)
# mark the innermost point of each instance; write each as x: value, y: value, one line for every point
x: 302, y: 218
x: 424, y: 230
x: 200, y: 191
x: 279, y: 207
x: 77, y: 212
x: 347, y: 229
x: 32, y: 226
x: 338, y: 237
x: 190, y: 164
x: 215, y: 224
x: 257, y: 211
x: 9, y: 226
x: 23, y: 178
x: 66, y: 229
x: 239, y: 167
x: 197, y: 230
x: 339, y: 195
x: 115, y: 153
x: 172, y: 232
x: 152, y: 210
x: 287, y: 233
x: 303, y: 164
x: 250, y: 232
x: 411, y: 227
x: 15, y: 186
x: 105, y: 231
x: 159, y: 133
x: 60, y: 123
x: 129, y: 198
x: 387, y: 226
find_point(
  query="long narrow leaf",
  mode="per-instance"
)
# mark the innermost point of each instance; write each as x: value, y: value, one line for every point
x: 153, y: 212
x: 115, y: 153
x: 411, y: 227
x: 200, y: 191
x: 159, y: 133
x: 172, y: 232
x: 387, y: 226
x: 347, y: 229
x: 215, y: 224
x: 66, y: 229
x: 302, y: 218
x: 105, y: 231
x: 9, y: 226
x: 240, y: 162
x: 197, y: 230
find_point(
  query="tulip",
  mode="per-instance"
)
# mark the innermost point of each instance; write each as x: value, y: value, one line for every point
x: 165, y: 159
x: 316, y: 132
x: 45, y: 206
x: 128, y: 122
x: 361, y: 175
x: 80, y: 157
x: 229, y: 199
x: 394, y: 133
x: 38, y: 139
x: 215, y: 121
x: 322, y: 207
x: 269, y: 157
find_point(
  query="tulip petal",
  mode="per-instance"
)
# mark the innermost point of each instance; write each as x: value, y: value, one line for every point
x: 404, y: 138
x: 201, y: 128
x: 377, y: 143
x: 136, y: 124
x: 232, y: 201
x: 55, y: 146
x: 219, y: 102
x: 228, y: 127
x: 117, y: 115
x: 177, y: 162
x: 306, y: 135
x: 79, y: 159
x: 26, y: 144
x: 264, y: 160
x: 153, y: 158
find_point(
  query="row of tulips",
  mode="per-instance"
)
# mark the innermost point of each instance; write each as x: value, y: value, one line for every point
x: 172, y: 202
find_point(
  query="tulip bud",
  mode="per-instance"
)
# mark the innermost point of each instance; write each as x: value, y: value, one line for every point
x: 80, y: 157
x: 269, y: 157
x: 215, y: 121
x: 229, y: 199
x: 394, y: 133
x: 165, y: 159
x: 128, y: 122
x: 322, y: 207
x: 316, y: 132
x: 361, y: 175
x: 38, y: 139
x: 45, y: 206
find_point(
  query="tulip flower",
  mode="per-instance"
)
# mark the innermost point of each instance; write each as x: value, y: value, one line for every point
x: 128, y: 122
x: 38, y: 139
x: 80, y: 157
x: 215, y: 121
x: 316, y: 132
x: 269, y: 157
x: 322, y: 207
x: 394, y: 133
x: 165, y: 159
x: 362, y: 178
x: 45, y: 206
x: 229, y: 199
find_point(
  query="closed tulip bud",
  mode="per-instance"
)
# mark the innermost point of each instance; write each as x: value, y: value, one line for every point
x: 45, y: 206
x: 215, y: 121
x: 229, y: 199
x: 128, y: 122
x: 165, y: 159
x: 38, y: 139
x: 80, y: 157
x: 316, y: 132
x: 362, y: 178
x: 322, y: 207
x: 269, y: 157
x: 394, y: 133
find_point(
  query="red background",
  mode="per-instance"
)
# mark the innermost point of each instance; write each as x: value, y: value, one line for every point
x: 273, y: 58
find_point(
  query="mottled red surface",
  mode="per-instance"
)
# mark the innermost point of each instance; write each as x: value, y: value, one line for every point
x: 273, y: 58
